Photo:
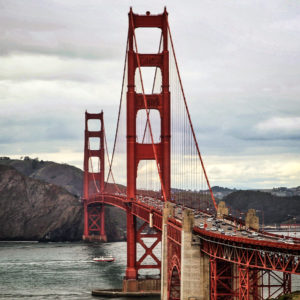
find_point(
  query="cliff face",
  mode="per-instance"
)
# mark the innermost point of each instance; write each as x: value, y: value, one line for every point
x: 34, y: 210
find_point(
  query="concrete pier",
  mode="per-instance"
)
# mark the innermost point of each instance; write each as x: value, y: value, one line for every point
x: 252, y: 220
x: 95, y: 238
x: 168, y: 211
x: 222, y: 210
x: 194, y: 282
x: 141, y: 285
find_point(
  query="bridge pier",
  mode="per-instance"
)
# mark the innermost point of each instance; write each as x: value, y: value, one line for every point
x: 195, y: 279
x: 252, y: 220
x: 168, y: 211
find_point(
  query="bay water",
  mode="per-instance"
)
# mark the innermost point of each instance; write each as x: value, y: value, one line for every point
x: 31, y: 270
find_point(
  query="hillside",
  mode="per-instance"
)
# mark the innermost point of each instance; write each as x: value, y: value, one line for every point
x: 32, y: 209
x: 63, y: 175
x: 276, y: 209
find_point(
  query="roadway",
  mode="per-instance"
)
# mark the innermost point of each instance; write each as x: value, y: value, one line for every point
x: 224, y: 226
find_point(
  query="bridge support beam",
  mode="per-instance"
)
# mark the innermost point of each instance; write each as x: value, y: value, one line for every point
x: 244, y: 283
x: 131, y: 271
x: 195, y: 278
x: 272, y: 284
x: 222, y: 280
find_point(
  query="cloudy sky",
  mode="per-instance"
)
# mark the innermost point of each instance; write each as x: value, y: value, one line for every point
x: 239, y: 61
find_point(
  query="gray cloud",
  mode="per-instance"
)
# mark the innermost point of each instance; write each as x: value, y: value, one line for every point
x: 38, y: 129
x: 239, y: 64
x: 25, y: 67
x: 53, y: 28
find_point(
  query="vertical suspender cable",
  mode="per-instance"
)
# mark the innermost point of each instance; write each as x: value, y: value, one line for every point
x: 189, y: 117
x: 109, y: 163
x: 119, y: 113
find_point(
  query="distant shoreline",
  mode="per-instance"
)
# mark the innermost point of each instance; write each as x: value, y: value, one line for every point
x: 12, y: 241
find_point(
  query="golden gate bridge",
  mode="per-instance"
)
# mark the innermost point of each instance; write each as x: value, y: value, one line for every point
x: 157, y: 176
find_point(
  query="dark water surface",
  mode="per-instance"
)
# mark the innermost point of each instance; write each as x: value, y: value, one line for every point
x: 63, y: 270
x: 58, y: 270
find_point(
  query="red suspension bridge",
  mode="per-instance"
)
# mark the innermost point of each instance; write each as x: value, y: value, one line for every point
x: 155, y: 165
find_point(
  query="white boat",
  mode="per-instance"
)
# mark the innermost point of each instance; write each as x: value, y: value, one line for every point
x: 104, y: 258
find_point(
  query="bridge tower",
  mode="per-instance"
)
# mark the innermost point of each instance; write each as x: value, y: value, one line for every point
x: 142, y: 151
x: 93, y: 182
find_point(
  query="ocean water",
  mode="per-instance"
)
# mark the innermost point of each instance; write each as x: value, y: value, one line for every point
x: 59, y: 270
x: 63, y: 270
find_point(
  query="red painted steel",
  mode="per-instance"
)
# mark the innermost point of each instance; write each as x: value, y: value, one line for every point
x: 273, y: 284
x: 244, y: 286
x: 94, y: 213
x: 135, y: 102
x: 136, y: 151
x: 225, y: 257
x: 213, y: 279
x: 237, y: 265
x: 156, y: 239
x: 251, y: 261
x: 221, y: 279
x: 267, y: 256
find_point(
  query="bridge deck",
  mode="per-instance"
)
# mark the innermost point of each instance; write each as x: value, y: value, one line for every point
x: 225, y: 239
x: 207, y: 224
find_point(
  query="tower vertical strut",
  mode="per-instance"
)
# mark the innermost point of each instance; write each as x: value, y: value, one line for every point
x: 93, y: 183
x: 136, y: 152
